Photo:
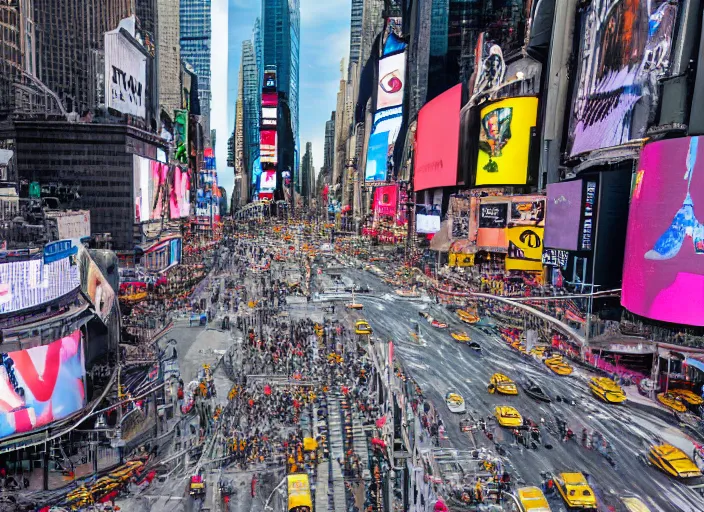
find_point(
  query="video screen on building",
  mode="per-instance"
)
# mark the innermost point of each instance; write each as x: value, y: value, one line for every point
x: 663, y: 271
x: 492, y: 223
x: 527, y: 211
x: 268, y: 181
x: 269, y: 113
x: 626, y: 46
x: 270, y: 99
x: 267, y: 146
x: 504, y: 141
x: 525, y: 248
x: 41, y: 385
x: 438, y: 140
x: 179, y: 193
x: 149, y: 188
x: 27, y: 284
x: 564, y: 214
x: 392, y: 73
x: 382, y: 140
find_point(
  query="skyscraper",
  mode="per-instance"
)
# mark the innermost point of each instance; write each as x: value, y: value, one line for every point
x: 306, y: 181
x: 281, y: 48
x: 17, y: 45
x: 239, y: 135
x: 258, y: 48
x: 195, y: 48
x: 251, y: 94
x: 169, y: 55
x: 356, y: 31
x: 329, y: 149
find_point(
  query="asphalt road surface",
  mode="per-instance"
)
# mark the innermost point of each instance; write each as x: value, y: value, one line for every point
x: 439, y: 364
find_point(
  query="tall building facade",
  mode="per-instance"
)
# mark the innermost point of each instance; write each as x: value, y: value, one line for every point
x: 72, y: 67
x: 195, y: 26
x: 258, y: 48
x: 356, y: 31
x: 306, y: 176
x: 251, y: 98
x: 329, y: 148
x: 280, y: 35
x: 17, y: 48
x: 168, y: 43
x: 239, y: 138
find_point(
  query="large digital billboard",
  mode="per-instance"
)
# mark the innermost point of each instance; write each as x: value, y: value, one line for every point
x: 94, y: 284
x: 179, y: 193
x: 267, y: 146
x: 504, y: 141
x: 41, y: 385
x: 29, y: 283
x: 527, y: 211
x: 625, y: 49
x: 525, y: 248
x: 392, y: 74
x: 438, y: 141
x: 663, y: 270
x: 150, y: 184
x: 382, y: 140
x: 385, y: 199
x: 564, y: 214
x: 267, y: 182
x: 125, y: 74
x: 492, y: 223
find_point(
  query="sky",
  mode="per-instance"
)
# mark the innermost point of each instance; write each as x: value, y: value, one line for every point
x: 325, y: 36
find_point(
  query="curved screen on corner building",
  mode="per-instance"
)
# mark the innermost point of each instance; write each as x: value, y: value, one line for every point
x: 663, y: 272
x: 438, y: 141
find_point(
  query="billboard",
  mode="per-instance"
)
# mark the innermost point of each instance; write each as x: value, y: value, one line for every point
x: 382, y: 139
x: 179, y: 193
x: 385, y: 199
x: 438, y: 141
x: 125, y: 74
x: 27, y: 284
x: 527, y: 211
x: 267, y: 183
x: 564, y: 215
x: 150, y: 182
x: 392, y: 74
x: 504, y: 141
x: 525, y: 248
x: 267, y: 146
x: 270, y: 99
x: 71, y: 224
x: 459, y: 211
x: 41, y: 385
x: 663, y: 271
x: 625, y: 49
x: 175, y: 251
x: 181, y: 135
x: 492, y: 223
x: 94, y: 284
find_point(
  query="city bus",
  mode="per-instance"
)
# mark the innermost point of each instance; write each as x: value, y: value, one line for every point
x: 299, y: 493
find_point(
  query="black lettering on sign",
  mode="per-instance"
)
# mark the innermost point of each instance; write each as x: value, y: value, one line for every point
x: 126, y: 88
x: 530, y: 238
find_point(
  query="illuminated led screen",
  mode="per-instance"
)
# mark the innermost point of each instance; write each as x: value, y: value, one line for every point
x: 179, y: 193
x: 382, y: 140
x: 564, y: 213
x: 41, y: 385
x: 663, y: 271
x: 150, y: 184
x: 525, y: 248
x: 626, y: 46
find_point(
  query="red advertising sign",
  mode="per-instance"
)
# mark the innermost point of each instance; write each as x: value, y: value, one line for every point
x: 438, y: 140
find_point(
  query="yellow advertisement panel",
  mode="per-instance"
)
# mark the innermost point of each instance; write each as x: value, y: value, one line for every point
x: 504, y: 140
x: 465, y: 260
x: 525, y: 248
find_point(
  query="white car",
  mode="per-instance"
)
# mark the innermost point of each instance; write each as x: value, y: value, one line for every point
x: 455, y: 402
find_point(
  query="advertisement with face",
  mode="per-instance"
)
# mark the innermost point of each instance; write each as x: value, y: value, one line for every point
x: 41, y: 385
x: 493, y: 219
x: 392, y: 73
x: 94, y: 284
x: 382, y: 139
x: 504, y: 141
x: 26, y: 284
x: 438, y: 141
x: 564, y: 213
x: 179, y: 193
x: 525, y: 248
x: 663, y: 271
x: 625, y: 49
x: 527, y: 211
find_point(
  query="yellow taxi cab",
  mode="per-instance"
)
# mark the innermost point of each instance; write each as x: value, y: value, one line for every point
x: 467, y: 317
x: 558, y: 366
x: 672, y: 401
x: 538, y: 352
x: 688, y: 396
x: 502, y: 385
x: 508, y: 416
x: 362, y: 327
x: 673, y: 461
x: 575, y: 490
x: 607, y: 390
x: 634, y: 504
x: 532, y: 499
x: 460, y: 336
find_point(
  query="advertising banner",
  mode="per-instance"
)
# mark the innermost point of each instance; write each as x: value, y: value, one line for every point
x: 459, y: 211
x: 493, y: 219
x: 437, y: 141
x: 588, y: 216
x: 663, y: 271
x: 525, y: 248
x: 27, y: 284
x: 387, y: 124
x: 625, y: 49
x: 392, y: 73
x: 385, y: 199
x: 94, y: 284
x: 267, y: 146
x: 179, y: 193
x: 555, y: 258
x: 504, y: 141
x: 564, y: 215
x: 270, y: 99
x: 268, y: 181
x: 71, y: 224
x: 41, y: 385
x: 427, y: 223
x: 125, y: 74
x: 527, y: 211
x: 181, y: 135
